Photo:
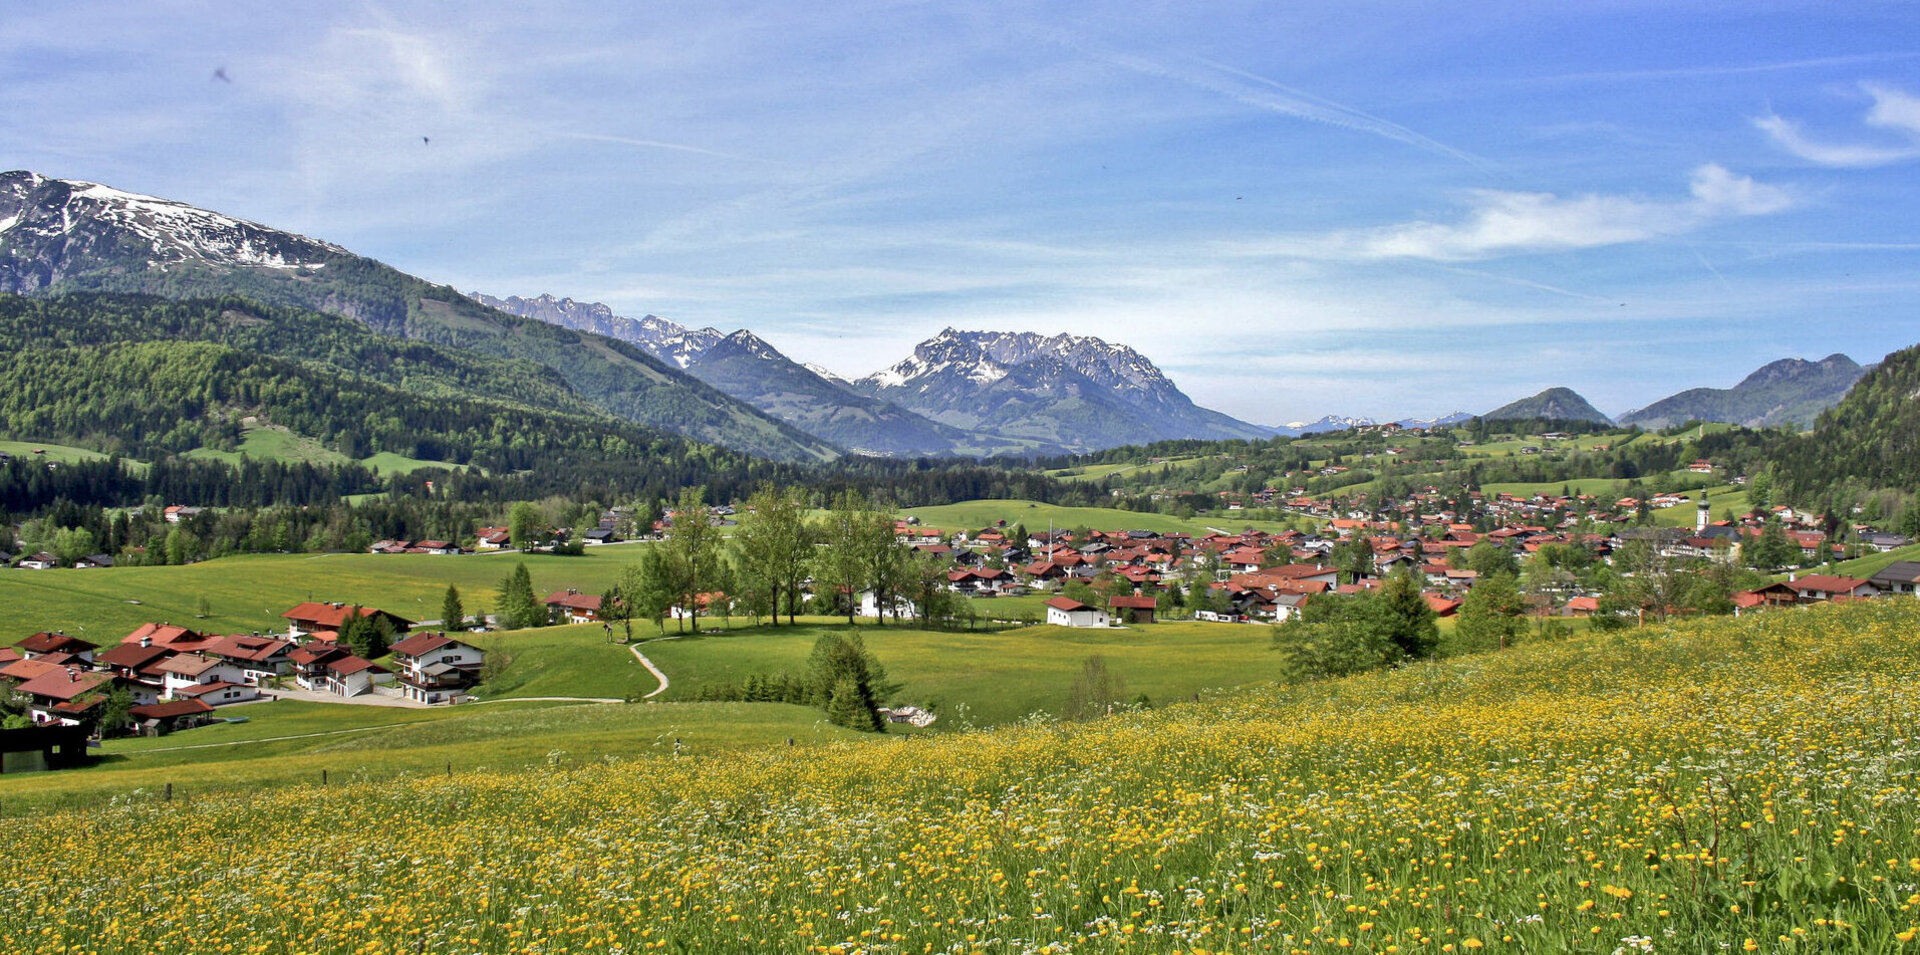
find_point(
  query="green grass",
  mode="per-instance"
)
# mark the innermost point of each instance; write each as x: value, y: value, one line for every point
x: 974, y: 515
x: 249, y: 592
x: 54, y: 452
x: 361, y: 745
x: 1869, y: 564
x: 990, y: 678
x: 268, y: 443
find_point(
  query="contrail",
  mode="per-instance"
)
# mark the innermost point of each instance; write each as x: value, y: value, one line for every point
x: 661, y: 144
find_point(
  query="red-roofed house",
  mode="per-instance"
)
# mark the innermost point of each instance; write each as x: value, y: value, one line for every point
x: 1067, y: 612
x: 259, y: 658
x: 189, y: 670
x: 572, y: 606
x: 312, y: 617
x: 435, y: 668
x: 1135, y: 609
x: 159, y: 719
x: 1828, y: 587
x: 64, y: 695
x: 46, y: 644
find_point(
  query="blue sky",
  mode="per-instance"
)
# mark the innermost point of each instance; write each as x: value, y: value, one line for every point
x: 1390, y: 209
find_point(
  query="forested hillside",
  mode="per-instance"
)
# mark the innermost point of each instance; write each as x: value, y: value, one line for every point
x: 1870, y: 441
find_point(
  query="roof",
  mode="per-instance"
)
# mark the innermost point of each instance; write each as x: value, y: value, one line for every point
x: 170, y: 709
x: 350, y: 664
x: 316, y: 652
x: 1141, y: 602
x: 28, y: 669
x: 189, y: 664
x: 132, y: 655
x: 64, y: 683
x: 162, y: 634
x: 423, y: 643
x: 573, y: 600
x: 1905, y: 571
x: 55, y: 643
x: 238, y: 647
x: 1828, y: 583
x: 332, y: 615
x: 1067, y: 604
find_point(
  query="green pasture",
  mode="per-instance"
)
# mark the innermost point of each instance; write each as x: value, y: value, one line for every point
x: 987, y: 678
x: 56, y: 453
x: 377, y: 742
x: 250, y: 591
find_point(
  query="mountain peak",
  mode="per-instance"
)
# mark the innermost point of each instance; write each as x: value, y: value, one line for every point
x: 1553, y: 404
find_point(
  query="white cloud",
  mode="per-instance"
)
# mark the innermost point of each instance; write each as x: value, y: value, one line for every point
x: 1892, y: 110
x: 1516, y: 223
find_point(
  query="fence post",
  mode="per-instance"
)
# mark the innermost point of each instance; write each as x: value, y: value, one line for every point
x: 323, y: 777
x: 169, y: 796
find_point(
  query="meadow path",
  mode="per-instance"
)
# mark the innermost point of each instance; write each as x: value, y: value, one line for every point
x: 656, y: 671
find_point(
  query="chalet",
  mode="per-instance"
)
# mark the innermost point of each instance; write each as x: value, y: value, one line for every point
x: 1067, y: 612
x: 159, y: 719
x: 1829, y: 587
x: 435, y: 668
x: 1442, y: 606
x: 1777, y: 594
x: 1883, y: 541
x: 138, y: 666
x: 710, y: 602
x: 1135, y: 609
x: 40, y: 561
x: 1582, y: 607
x: 165, y: 635
x: 259, y: 658
x: 176, y: 513
x: 347, y: 675
x: 65, y: 695
x: 1899, y: 577
x: 218, y: 693
x: 900, y: 606
x: 572, y: 606
x: 187, y: 671
x: 47, y: 644
x: 92, y: 561
x: 493, y: 538
x: 437, y: 547
x: 312, y: 618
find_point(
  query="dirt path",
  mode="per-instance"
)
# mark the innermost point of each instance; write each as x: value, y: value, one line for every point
x: 657, y: 674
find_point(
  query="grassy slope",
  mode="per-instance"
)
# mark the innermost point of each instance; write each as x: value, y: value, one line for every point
x: 1708, y: 787
x: 999, y: 677
x: 248, y: 592
x: 362, y: 743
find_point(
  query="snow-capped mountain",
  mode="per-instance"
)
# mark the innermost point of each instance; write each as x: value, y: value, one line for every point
x: 1450, y: 418
x: 51, y: 229
x: 61, y: 235
x: 1294, y: 429
x: 668, y: 341
x: 1076, y: 392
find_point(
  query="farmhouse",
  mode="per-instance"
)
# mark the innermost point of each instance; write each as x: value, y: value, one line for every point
x: 43, y: 644
x: 1829, y: 587
x: 1067, y: 612
x: 572, y: 606
x: 435, y: 668
x: 1137, y: 609
x: 312, y: 618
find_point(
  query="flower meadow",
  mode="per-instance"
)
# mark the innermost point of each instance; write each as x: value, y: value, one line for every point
x: 1726, y: 786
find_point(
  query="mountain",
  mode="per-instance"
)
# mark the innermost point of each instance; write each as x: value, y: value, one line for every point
x: 1553, y: 404
x: 670, y: 342
x: 154, y: 377
x: 1791, y: 391
x: 1869, y: 441
x: 57, y: 236
x: 1065, y: 392
x: 1295, y: 429
x: 746, y: 367
x: 1450, y: 418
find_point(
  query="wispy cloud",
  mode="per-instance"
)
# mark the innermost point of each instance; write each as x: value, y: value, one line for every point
x: 661, y: 144
x: 1259, y: 92
x: 1893, y: 110
x: 1503, y: 223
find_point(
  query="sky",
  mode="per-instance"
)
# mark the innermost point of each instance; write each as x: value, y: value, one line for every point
x: 1373, y: 209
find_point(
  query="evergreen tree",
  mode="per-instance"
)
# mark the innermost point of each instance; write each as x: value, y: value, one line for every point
x: 1490, y: 616
x: 847, y: 681
x: 452, y: 616
x: 356, y: 634
x: 1413, y: 627
x: 518, y: 606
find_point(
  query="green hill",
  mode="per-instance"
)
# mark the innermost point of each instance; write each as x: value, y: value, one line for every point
x: 1790, y: 391
x: 1553, y: 404
x: 1735, y: 784
x: 1870, y: 440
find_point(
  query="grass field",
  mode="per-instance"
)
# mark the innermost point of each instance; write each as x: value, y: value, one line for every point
x: 376, y: 742
x: 1731, y: 785
x: 249, y: 592
x: 974, y: 515
x: 279, y: 444
x: 53, y: 452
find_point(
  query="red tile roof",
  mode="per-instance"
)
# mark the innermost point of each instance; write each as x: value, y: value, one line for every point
x: 170, y: 708
x: 64, y: 683
x: 421, y: 644
x: 55, y: 643
x: 1067, y: 604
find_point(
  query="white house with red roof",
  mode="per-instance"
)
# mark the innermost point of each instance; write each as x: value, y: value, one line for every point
x: 435, y: 668
x: 182, y: 675
x: 323, y: 617
x: 572, y: 606
x: 1068, y: 612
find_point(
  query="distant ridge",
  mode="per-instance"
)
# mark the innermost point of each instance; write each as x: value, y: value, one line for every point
x: 1553, y: 404
x: 1791, y: 391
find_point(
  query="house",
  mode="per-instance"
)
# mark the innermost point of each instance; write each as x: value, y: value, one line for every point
x: 138, y: 665
x: 344, y: 674
x: 40, y: 561
x: 259, y: 658
x: 93, y: 560
x: 312, y: 618
x: 1134, y: 609
x: 572, y: 606
x: 176, y: 513
x: 711, y: 602
x: 493, y: 538
x: 1899, y: 577
x: 168, y: 636
x: 1776, y: 594
x: 1829, y: 587
x: 64, y: 695
x: 899, y: 606
x: 1067, y: 612
x: 435, y: 668
x: 159, y: 719
x: 47, y: 644
x: 189, y: 670
x: 218, y: 693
